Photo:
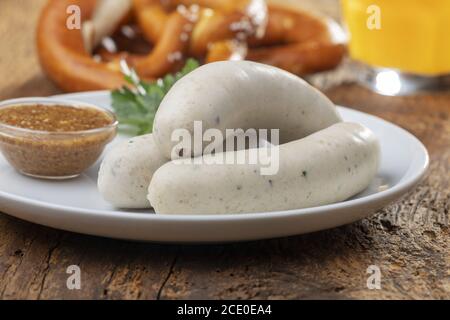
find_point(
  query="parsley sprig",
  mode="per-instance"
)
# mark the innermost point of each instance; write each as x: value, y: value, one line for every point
x: 136, y: 105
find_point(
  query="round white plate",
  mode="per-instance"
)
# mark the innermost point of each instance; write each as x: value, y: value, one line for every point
x: 75, y: 205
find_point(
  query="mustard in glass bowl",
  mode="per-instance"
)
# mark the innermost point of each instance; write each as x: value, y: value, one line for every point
x: 54, y: 139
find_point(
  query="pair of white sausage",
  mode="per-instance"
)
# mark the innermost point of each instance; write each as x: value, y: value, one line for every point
x: 322, y: 160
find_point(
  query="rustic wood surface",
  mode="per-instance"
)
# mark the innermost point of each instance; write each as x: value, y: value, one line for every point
x: 408, y: 240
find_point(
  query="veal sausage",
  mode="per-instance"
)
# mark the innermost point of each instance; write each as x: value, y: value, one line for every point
x: 242, y: 94
x: 126, y: 171
x: 326, y: 167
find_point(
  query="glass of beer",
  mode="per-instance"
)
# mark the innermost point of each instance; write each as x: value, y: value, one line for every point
x: 404, y: 43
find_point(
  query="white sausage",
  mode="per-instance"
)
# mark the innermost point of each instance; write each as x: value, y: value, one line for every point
x: 126, y: 171
x: 242, y: 94
x: 326, y: 167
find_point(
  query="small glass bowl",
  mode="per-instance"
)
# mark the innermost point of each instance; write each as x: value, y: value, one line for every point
x: 54, y: 155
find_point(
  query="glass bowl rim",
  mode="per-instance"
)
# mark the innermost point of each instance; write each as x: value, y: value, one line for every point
x: 60, y: 102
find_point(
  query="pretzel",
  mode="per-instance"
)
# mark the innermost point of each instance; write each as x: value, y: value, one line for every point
x: 169, y: 50
x: 300, y: 59
x: 209, y: 30
x: 151, y: 17
x: 56, y: 42
x: 64, y: 57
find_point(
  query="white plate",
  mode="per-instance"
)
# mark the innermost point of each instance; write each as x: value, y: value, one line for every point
x: 76, y: 205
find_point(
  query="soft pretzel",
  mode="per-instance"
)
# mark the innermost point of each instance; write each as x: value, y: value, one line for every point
x: 151, y: 17
x: 62, y: 52
x: 283, y: 27
x: 225, y: 6
x: 246, y: 21
x: 170, y: 49
x: 286, y: 26
x: 64, y: 57
x: 301, y: 58
x: 210, y: 30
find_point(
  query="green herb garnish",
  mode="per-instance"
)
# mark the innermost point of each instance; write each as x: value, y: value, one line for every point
x: 136, y: 105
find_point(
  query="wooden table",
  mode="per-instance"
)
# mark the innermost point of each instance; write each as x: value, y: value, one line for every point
x: 409, y: 240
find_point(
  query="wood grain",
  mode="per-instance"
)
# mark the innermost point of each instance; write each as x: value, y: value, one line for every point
x: 408, y: 240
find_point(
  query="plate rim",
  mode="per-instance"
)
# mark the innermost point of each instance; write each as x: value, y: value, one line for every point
x: 400, y: 188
